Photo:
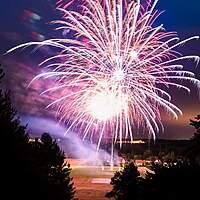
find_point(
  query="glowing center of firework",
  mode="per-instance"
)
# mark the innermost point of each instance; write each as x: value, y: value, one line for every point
x: 118, y: 75
x: 104, y: 106
x: 133, y: 54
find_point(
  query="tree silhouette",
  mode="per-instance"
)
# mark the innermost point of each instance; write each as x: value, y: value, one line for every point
x: 30, y: 170
x: 50, y: 162
x: 196, y: 124
x: 175, y: 179
x: 193, y: 151
x: 15, y: 173
x: 173, y: 182
x: 126, y: 183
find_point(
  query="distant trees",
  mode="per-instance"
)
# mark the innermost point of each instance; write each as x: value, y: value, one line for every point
x: 30, y: 170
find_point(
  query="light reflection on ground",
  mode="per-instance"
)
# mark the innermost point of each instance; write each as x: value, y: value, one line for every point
x: 92, y: 182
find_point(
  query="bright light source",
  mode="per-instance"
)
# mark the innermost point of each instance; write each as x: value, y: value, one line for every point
x: 106, y: 105
x: 118, y: 75
x: 133, y: 54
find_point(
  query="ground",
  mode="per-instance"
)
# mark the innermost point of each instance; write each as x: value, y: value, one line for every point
x: 93, y: 182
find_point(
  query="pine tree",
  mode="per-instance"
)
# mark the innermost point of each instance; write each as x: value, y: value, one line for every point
x: 35, y: 170
x: 16, y: 168
x: 53, y: 168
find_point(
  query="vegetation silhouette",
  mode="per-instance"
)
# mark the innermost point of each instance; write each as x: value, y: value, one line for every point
x: 36, y: 169
x: 30, y: 170
x: 54, y: 172
x: 174, y: 178
x: 175, y: 181
x: 126, y: 183
x: 193, y: 151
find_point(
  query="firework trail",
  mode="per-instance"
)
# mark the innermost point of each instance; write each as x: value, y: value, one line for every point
x: 64, y: 3
x: 112, y: 77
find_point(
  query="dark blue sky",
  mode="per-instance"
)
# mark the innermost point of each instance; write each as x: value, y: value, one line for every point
x: 180, y: 15
x: 15, y: 27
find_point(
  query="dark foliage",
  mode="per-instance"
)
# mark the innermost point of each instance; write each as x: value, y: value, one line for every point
x: 174, y: 179
x: 54, y: 172
x: 126, y: 183
x: 193, y: 151
x: 173, y: 182
x: 30, y: 170
x: 16, y: 171
x: 196, y: 124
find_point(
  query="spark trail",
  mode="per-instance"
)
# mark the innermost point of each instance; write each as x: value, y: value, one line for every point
x: 112, y: 74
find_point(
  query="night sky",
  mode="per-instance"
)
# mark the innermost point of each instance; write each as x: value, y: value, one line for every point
x: 27, y: 20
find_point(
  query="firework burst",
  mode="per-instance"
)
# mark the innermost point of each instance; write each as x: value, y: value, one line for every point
x: 111, y: 76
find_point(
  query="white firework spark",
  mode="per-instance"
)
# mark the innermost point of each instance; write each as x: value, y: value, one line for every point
x: 109, y: 74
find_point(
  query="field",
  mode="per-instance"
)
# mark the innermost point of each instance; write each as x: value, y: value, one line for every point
x: 93, y: 182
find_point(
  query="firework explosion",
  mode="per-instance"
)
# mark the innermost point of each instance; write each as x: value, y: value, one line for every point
x: 113, y: 75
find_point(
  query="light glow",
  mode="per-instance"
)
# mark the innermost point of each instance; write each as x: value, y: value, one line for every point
x: 105, y: 106
x: 115, y: 68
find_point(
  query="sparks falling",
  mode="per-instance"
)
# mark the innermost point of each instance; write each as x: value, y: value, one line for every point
x: 111, y: 76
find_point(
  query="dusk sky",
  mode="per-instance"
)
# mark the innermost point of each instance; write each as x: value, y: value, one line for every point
x: 27, y: 20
